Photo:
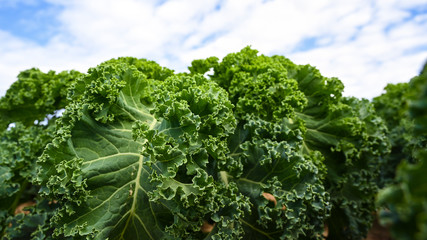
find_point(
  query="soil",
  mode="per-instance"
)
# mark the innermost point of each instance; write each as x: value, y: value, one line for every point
x: 378, y: 232
x: 20, y: 207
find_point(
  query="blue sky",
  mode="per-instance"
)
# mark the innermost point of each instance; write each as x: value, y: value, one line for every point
x: 365, y: 43
x: 32, y: 21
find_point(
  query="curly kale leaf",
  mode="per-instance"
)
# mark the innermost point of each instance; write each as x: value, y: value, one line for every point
x: 34, y: 96
x: 283, y: 184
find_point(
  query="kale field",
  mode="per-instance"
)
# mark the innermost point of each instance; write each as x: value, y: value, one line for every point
x: 247, y: 147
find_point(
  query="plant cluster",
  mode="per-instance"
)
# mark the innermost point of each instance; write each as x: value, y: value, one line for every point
x: 249, y: 147
x: 404, y: 201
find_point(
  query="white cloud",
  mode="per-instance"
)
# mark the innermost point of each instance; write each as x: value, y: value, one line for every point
x: 351, y: 37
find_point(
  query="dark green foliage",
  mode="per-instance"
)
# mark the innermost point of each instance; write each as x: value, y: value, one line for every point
x: 28, y: 109
x: 405, y: 201
x: 393, y: 106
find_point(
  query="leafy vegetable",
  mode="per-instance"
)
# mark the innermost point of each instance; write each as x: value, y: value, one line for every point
x: 393, y: 106
x: 406, y: 200
x: 305, y: 112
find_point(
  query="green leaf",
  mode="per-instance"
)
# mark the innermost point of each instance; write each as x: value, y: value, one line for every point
x: 34, y: 96
x: 131, y: 157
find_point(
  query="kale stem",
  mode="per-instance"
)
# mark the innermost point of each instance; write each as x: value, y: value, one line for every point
x: 18, y: 197
x: 224, y: 177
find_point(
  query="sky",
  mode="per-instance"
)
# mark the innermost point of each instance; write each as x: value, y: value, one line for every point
x: 365, y: 43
